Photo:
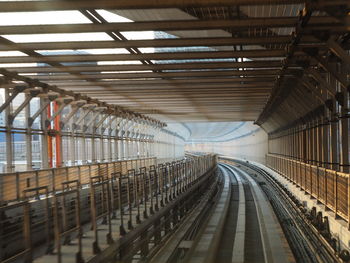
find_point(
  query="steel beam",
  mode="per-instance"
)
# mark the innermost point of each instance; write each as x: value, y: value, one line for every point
x: 248, y: 65
x: 62, y: 105
x: 100, y: 122
x: 172, y: 42
x: 338, y: 76
x: 76, y: 105
x: 171, y: 25
x: 276, y: 95
x: 44, y: 102
x: 323, y: 83
x: 277, y: 53
x: 93, y: 119
x: 26, y: 6
x: 13, y: 115
x: 88, y: 109
x: 338, y: 51
x: 14, y: 92
x: 9, y: 139
x: 45, y: 86
x: 322, y: 97
x: 142, y: 84
x: 29, y: 147
x: 164, y: 78
x: 100, y: 85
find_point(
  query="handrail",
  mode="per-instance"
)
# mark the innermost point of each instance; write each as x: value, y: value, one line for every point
x: 329, y: 187
x: 13, y: 184
x: 63, y: 212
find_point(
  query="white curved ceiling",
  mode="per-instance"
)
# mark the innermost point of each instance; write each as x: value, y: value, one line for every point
x: 213, y: 131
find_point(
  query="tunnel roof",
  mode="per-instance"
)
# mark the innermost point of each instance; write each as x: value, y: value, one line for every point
x: 177, y: 61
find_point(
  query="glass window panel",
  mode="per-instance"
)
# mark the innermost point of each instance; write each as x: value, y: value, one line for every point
x: 19, y: 121
x: 106, y: 149
x: 2, y: 152
x: 34, y: 107
x: 19, y: 152
x: 97, y: 149
x: 88, y: 149
x: 2, y: 100
x: 36, y: 150
x: 78, y: 150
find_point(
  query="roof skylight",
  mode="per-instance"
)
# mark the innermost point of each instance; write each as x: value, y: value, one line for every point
x: 135, y: 35
x: 43, y: 18
x: 111, y: 17
x: 103, y: 51
x: 11, y: 65
x: 35, y: 38
x: 12, y: 54
x: 119, y: 62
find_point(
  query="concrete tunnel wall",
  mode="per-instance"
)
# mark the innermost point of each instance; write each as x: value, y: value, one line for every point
x: 252, y: 147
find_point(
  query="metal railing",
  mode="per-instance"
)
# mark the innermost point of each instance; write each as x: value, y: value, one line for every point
x: 329, y: 187
x: 53, y: 215
x: 12, y: 185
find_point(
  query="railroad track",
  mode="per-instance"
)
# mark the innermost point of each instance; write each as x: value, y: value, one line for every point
x: 258, y: 236
x: 238, y: 228
x: 250, y: 219
x: 305, y: 240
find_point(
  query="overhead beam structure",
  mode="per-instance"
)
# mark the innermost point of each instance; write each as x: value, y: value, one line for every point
x: 208, y: 48
x: 171, y: 25
x: 140, y: 4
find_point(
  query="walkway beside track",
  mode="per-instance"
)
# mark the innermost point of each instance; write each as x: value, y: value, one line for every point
x: 272, y: 237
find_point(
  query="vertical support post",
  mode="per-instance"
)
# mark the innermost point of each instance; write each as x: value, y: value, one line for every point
x: 79, y: 254
x: 120, y: 185
x: 116, y: 148
x: 325, y: 139
x: 157, y: 190
x: 122, y: 152
x: 126, y: 149
x: 334, y: 138
x: 72, y: 152
x: 27, y: 231
x: 110, y: 152
x: 57, y: 229
x: 83, y: 143
x: 45, y: 137
x: 130, y: 226
x: 137, y: 183
x: 95, y: 247
x: 102, y: 148
x: 28, y: 137
x: 58, y: 139
x: 9, y: 141
x: 345, y: 124
x: 151, y: 184
x: 93, y: 148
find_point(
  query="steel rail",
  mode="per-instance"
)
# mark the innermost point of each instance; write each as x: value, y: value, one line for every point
x: 319, y: 247
x: 174, y: 250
